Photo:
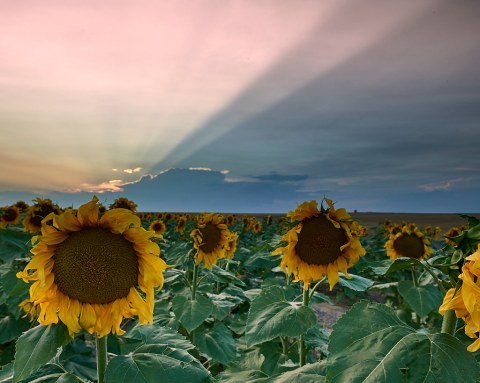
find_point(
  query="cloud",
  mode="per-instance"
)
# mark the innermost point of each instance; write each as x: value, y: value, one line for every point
x: 443, y: 185
x: 108, y: 186
x: 130, y: 171
x: 275, y: 177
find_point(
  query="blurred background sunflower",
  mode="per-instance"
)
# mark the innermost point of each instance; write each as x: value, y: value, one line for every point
x: 408, y: 241
x: 213, y: 240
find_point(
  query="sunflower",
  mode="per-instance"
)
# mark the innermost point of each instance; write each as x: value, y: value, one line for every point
x: 453, y: 232
x: 158, y: 226
x: 211, y: 239
x: 9, y: 215
x: 409, y: 242
x: 124, y: 203
x: 466, y: 300
x: 257, y: 227
x: 37, y: 212
x: 87, y: 271
x: 22, y: 205
x: 322, y: 243
x: 231, y: 245
x: 181, y: 224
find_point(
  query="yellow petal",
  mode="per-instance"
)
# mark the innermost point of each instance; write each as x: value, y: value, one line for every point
x: 87, y: 214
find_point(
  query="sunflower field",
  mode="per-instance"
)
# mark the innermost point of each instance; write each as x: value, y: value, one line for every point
x: 111, y: 295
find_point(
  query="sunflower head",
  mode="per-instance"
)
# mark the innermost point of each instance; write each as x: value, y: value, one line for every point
x: 464, y: 301
x: 124, y: 203
x: 158, y: 226
x: 181, y: 224
x: 408, y: 242
x: 88, y: 272
x: 322, y: 243
x: 211, y: 239
x: 9, y: 215
x: 22, y: 205
x: 37, y: 212
x: 453, y: 232
x: 257, y: 227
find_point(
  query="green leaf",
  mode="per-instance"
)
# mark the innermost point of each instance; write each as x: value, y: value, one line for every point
x: 6, y: 373
x: 472, y: 221
x: 250, y: 376
x: 165, y: 364
x: 36, y: 347
x: 223, y: 276
x: 422, y: 299
x: 191, y: 314
x: 309, y: 373
x: 13, y: 244
x: 474, y: 233
x: 10, y: 328
x: 217, y: 343
x: 356, y: 283
x: 397, y: 264
x: 64, y: 377
x: 143, y: 335
x: 370, y: 344
x: 271, y: 315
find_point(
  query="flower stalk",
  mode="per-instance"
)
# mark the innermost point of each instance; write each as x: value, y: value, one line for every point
x: 101, y: 343
x: 302, y: 350
x: 449, y: 323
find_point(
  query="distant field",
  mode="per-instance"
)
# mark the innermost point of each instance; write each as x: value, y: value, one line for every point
x: 445, y: 221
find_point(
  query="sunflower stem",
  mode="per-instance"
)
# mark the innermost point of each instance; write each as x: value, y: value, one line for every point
x: 302, y: 351
x: 449, y: 322
x: 194, y: 280
x: 284, y: 341
x: 101, y: 344
x: 315, y: 288
x: 414, y: 277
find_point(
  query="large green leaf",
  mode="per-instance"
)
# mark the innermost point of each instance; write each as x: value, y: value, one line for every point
x: 13, y: 244
x: 422, y: 299
x: 271, y: 315
x: 397, y: 264
x: 10, y: 328
x: 142, y: 335
x: 370, y: 344
x: 356, y: 282
x: 310, y: 373
x: 191, y: 314
x: 156, y: 363
x: 217, y: 343
x: 36, y: 347
x: 61, y: 377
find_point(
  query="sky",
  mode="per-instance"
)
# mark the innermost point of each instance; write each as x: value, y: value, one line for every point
x: 242, y: 106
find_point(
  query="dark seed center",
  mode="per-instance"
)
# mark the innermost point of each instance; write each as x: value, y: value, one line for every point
x: 211, y: 236
x: 409, y: 245
x: 95, y: 265
x: 319, y: 241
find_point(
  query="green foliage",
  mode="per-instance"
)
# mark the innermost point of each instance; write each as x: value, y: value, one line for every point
x: 422, y: 299
x: 36, y: 347
x: 371, y: 344
x: 272, y: 315
x: 192, y: 313
x: 247, y: 317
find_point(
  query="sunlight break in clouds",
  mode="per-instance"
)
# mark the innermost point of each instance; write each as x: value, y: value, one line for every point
x: 130, y: 171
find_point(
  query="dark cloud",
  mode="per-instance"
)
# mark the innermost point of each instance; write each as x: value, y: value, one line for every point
x: 186, y: 190
x: 399, y: 115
